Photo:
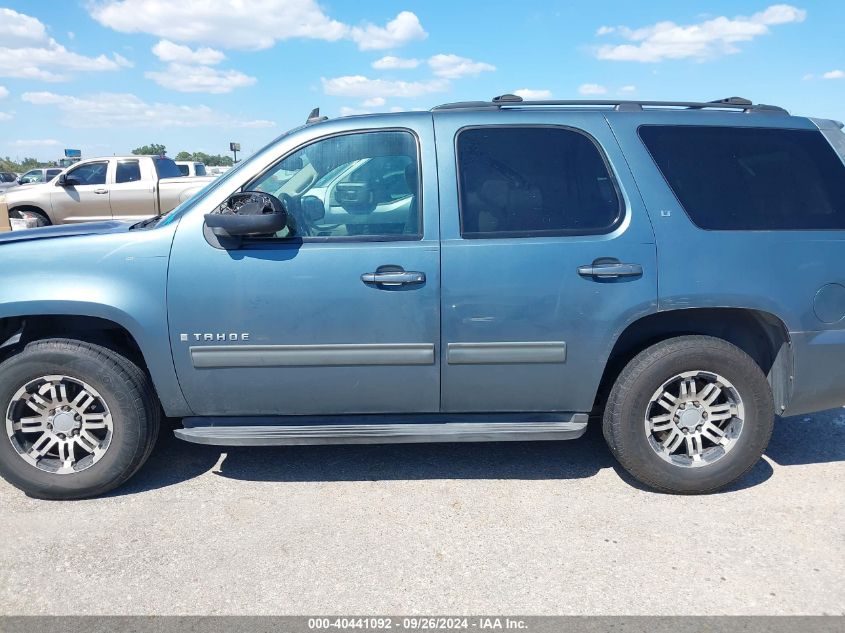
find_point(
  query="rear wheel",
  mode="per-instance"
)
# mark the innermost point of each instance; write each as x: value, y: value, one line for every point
x: 80, y: 419
x: 689, y: 415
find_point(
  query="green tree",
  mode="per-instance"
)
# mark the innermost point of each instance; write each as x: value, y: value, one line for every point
x: 184, y: 156
x: 156, y: 149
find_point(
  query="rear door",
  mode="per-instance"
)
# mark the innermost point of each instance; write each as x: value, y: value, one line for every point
x: 132, y: 195
x: 547, y: 255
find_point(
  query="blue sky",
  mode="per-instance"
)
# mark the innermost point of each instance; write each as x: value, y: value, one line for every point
x: 109, y: 75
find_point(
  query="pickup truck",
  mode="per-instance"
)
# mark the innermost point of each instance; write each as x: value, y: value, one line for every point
x: 484, y: 271
x: 191, y: 168
x: 118, y: 187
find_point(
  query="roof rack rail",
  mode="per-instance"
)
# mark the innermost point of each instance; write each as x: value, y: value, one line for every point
x: 515, y: 101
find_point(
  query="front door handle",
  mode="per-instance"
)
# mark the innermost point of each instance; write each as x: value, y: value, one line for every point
x: 101, y: 191
x: 393, y: 278
x: 610, y: 270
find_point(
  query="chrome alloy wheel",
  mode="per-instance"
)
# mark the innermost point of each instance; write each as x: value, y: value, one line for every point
x: 59, y: 424
x: 694, y: 418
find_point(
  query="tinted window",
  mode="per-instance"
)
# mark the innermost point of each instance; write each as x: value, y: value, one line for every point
x: 166, y: 168
x: 89, y: 174
x: 524, y: 181
x: 128, y: 171
x: 184, y: 170
x: 361, y: 185
x: 52, y: 173
x: 200, y: 169
x: 751, y: 178
x: 6, y: 176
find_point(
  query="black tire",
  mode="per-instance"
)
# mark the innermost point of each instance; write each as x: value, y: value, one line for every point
x: 124, y: 387
x: 624, y: 415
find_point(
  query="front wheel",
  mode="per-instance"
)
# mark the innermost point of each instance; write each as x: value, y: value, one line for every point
x: 79, y: 419
x: 689, y: 415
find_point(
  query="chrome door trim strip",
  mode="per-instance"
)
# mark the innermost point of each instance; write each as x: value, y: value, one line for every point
x: 510, y: 352
x: 340, y: 355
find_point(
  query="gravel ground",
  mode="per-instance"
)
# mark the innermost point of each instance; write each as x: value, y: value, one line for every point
x: 522, y: 528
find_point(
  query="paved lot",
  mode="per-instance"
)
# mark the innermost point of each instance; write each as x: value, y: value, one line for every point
x: 546, y: 528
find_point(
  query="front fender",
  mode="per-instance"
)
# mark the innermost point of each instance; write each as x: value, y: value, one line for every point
x: 120, y: 277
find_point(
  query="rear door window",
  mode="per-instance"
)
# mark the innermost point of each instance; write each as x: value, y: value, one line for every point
x: 128, y: 171
x: 533, y: 181
x: 733, y: 178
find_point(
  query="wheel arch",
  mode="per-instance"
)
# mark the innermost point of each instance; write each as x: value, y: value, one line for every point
x: 30, y: 207
x: 95, y: 323
x: 760, y: 334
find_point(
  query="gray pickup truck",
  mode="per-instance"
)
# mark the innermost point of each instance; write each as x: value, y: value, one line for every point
x: 117, y: 187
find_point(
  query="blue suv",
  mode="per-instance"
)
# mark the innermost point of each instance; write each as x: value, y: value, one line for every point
x: 484, y: 271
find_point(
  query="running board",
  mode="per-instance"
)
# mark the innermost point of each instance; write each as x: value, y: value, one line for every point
x: 401, y: 433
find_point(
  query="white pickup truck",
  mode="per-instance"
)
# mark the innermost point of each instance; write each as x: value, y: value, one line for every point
x: 117, y: 187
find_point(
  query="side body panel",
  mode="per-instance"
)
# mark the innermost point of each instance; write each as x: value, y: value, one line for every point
x: 521, y: 329
x: 777, y: 272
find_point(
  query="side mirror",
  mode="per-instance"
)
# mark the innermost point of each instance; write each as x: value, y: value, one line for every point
x: 313, y: 208
x: 248, y: 213
x: 64, y: 181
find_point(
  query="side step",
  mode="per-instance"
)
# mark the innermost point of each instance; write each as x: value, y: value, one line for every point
x: 383, y: 433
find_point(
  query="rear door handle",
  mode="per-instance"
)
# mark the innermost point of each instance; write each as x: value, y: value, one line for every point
x: 610, y: 270
x: 393, y: 278
x: 101, y: 191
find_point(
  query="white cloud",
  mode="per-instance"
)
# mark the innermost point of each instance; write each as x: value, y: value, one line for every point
x: 248, y: 24
x: 404, y: 28
x: 4, y: 92
x: 395, y: 63
x: 187, y: 78
x: 591, y: 89
x: 6, y: 116
x: 167, y: 51
x: 366, y: 88
x: 533, y: 95
x: 834, y: 74
x: 375, y: 102
x: 629, y: 89
x: 108, y: 109
x: 455, y: 67
x: 29, y: 53
x: 189, y: 70
x: 702, y: 40
x: 40, y: 142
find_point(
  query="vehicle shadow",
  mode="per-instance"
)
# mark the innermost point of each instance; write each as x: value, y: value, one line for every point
x: 801, y: 440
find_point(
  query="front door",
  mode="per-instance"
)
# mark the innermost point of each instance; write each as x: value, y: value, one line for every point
x: 85, y: 197
x: 339, y: 313
x: 547, y: 255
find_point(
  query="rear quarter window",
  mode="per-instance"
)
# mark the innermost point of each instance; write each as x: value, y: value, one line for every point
x: 734, y: 178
